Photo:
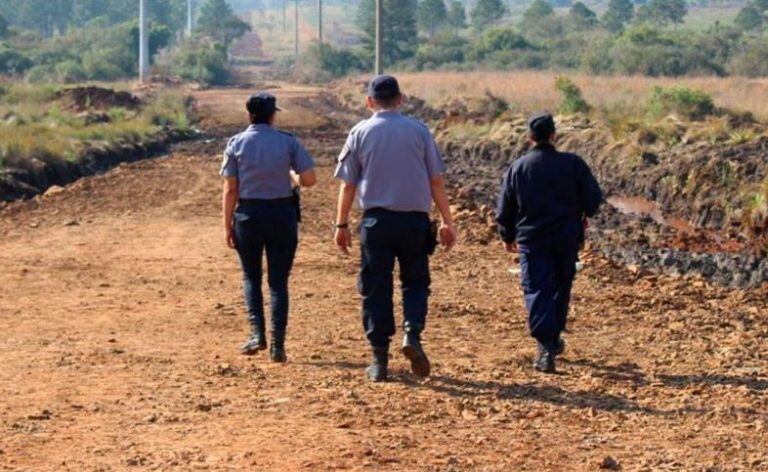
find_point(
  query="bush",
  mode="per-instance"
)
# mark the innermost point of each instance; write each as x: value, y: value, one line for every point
x: 337, y: 62
x: 13, y: 62
x: 441, y: 50
x: 571, y: 99
x: 69, y: 71
x: 680, y: 100
x: 201, y: 61
x: 752, y: 61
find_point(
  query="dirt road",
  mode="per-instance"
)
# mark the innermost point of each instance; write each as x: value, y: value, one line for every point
x: 121, y: 314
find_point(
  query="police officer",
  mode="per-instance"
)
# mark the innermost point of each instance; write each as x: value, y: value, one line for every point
x: 545, y: 199
x: 261, y: 213
x: 393, y: 164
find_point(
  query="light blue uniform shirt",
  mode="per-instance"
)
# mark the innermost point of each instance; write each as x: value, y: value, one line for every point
x: 391, y: 159
x: 261, y: 157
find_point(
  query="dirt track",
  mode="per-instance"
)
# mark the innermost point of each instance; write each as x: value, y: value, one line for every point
x: 121, y: 315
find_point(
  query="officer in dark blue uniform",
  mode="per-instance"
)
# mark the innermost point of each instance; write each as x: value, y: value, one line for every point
x: 545, y: 199
x: 394, y: 166
x: 260, y: 167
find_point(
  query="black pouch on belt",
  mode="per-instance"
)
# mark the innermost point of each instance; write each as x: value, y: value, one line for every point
x: 297, y: 202
x: 432, y: 241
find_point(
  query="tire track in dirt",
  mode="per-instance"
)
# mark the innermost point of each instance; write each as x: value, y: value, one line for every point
x: 121, y: 313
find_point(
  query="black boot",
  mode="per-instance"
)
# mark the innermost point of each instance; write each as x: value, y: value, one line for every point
x: 415, y: 353
x: 560, y: 349
x: 277, y: 350
x: 545, y: 361
x: 377, y: 371
x: 255, y: 343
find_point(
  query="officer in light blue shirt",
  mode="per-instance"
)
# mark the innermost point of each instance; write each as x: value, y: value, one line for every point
x: 392, y: 164
x: 261, y: 212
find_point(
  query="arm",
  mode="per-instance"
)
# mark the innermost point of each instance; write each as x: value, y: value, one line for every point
x: 589, y: 189
x: 303, y: 165
x: 448, y: 234
x: 346, y: 197
x: 308, y: 178
x: 228, y: 203
x: 506, y: 213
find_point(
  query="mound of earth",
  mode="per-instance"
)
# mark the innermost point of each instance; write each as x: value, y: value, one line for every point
x: 97, y: 98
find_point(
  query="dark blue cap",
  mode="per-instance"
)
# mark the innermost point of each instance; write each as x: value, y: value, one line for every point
x: 383, y: 87
x: 542, y: 124
x: 261, y: 104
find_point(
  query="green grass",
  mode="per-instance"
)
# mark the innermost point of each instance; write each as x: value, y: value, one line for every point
x: 33, y: 124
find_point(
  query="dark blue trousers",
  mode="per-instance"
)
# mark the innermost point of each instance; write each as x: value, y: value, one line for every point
x: 271, y: 227
x: 386, y: 236
x: 548, y: 267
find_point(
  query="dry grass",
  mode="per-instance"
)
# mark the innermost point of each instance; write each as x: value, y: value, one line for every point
x: 531, y: 90
x: 35, y: 125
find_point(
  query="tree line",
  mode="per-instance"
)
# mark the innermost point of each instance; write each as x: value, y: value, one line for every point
x: 74, y: 40
x: 628, y: 38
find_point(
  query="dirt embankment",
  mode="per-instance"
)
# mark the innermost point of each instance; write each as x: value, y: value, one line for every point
x: 693, y: 223
x: 32, y: 175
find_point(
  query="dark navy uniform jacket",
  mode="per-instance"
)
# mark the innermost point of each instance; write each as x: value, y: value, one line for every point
x: 545, y: 191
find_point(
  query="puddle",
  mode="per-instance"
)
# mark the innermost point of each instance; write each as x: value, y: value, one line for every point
x: 640, y: 206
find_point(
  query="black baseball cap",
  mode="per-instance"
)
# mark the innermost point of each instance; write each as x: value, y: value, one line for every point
x: 383, y: 87
x: 541, y: 124
x: 262, y: 104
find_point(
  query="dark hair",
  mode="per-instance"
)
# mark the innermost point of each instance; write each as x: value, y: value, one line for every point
x: 261, y: 119
x: 540, y: 136
x: 387, y: 102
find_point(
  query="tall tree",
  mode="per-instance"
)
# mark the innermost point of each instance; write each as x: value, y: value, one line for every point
x: 218, y: 22
x: 581, y: 17
x: 487, y: 12
x: 663, y: 12
x: 399, y: 29
x: 539, y: 10
x: 751, y: 17
x: 431, y: 15
x: 619, y: 13
x: 457, y: 16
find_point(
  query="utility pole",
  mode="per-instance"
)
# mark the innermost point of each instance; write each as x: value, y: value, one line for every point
x: 143, y: 42
x: 285, y: 19
x: 296, y: 28
x: 377, y: 60
x: 189, y: 18
x: 320, y: 27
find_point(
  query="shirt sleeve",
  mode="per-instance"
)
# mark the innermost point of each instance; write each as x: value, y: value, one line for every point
x: 349, y: 168
x: 229, y: 164
x: 589, y: 190
x: 506, y: 209
x: 435, y: 164
x: 301, y: 161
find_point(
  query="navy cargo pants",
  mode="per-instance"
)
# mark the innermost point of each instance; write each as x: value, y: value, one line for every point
x: 266, y: 226
x: 548, y: 267
x: 384, y: 237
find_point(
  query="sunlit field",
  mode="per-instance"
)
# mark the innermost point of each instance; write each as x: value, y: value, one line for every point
x: 531, y: 90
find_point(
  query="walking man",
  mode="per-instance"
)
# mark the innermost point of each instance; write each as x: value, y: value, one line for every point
x: 394, y: 166
x: 261, y: 214
x: 542, y: 213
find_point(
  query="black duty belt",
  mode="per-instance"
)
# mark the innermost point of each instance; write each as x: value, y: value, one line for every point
x: 266, y: 201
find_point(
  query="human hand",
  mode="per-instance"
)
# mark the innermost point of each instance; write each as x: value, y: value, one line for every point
x: 343, y: 240
x: 230, y: 238
x: 448, y: 236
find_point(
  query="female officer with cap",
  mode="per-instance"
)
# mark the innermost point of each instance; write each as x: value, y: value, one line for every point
x: 261, y: 215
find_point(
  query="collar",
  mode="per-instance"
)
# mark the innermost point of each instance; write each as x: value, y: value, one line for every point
x: 259, y: 127
x: 545, y: 146
x: 386, y: 113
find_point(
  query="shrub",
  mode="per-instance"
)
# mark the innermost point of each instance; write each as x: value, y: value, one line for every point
x: 337, y: 62
x: 201, y: 61
x: 69, y: 71
x: 13, y: 62
x: 571, y: 99
x: 441, y: 50
x: 680, y: 100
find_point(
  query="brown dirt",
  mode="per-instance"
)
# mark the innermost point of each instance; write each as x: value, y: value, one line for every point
x: 97, y: 98
x: 121, y: 314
